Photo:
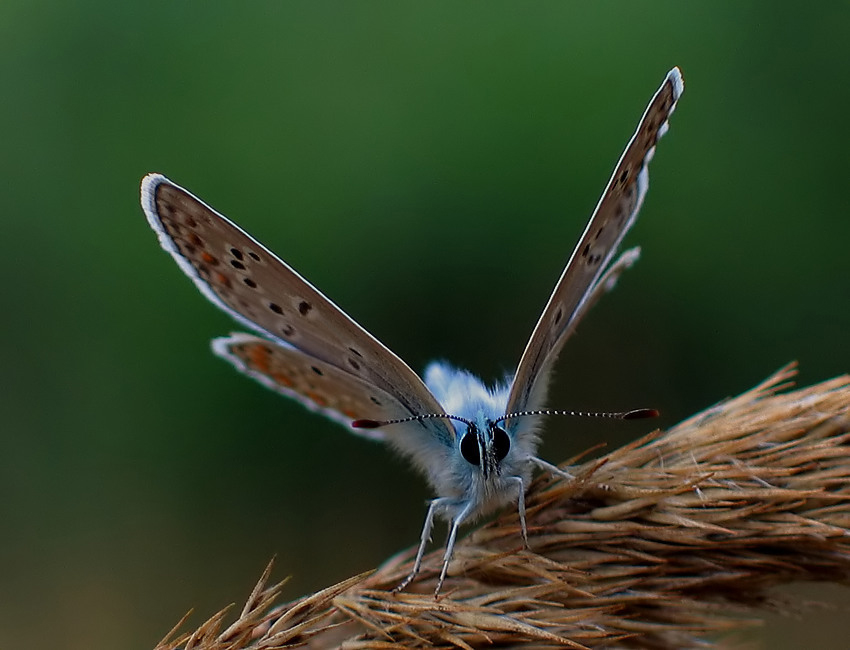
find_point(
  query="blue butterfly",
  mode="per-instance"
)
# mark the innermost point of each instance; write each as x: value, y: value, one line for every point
x: 477, y: 445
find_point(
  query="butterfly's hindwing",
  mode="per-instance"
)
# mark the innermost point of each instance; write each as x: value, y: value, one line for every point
x: 318, y: 385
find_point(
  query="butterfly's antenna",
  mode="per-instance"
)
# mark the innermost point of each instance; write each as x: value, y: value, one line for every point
x: 636, y: 414
x: 374, y: 424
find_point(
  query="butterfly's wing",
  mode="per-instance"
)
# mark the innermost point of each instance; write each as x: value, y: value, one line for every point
x: 580, y: 282
x: 304, y: 328
x: 320, y: 386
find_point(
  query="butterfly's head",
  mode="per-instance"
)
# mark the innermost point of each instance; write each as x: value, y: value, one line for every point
x: 484, y: 450
x: 485, y: 445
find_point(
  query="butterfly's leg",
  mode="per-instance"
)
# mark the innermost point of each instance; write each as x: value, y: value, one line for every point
x: 521, y: 508
x: 426, y: 536
x: 549, y: 467
x: 450, y: 545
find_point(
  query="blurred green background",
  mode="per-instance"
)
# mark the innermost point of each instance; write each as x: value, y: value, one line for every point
x: 430, y: 167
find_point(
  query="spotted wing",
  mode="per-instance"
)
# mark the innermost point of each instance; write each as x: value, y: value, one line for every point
x: 262, y: 292
x: 320, y: 386
x: 611, y: 220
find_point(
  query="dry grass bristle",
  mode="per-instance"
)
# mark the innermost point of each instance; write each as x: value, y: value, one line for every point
x: 662, y: 543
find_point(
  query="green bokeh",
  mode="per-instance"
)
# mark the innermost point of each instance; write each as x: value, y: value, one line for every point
x: 430, y: 167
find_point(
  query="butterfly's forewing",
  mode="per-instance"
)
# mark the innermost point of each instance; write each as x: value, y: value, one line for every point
x: 614, y: 215
x: 262, y: 292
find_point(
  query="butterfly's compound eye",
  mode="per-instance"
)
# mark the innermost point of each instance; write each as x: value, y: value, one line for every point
x: 501, y: 442
x: 469, y: 447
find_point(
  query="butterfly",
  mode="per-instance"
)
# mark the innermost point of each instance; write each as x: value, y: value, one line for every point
x: 475, y: 444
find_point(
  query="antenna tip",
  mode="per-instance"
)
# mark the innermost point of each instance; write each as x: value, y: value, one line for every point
x: 366, y: 424
x: 640, y: 414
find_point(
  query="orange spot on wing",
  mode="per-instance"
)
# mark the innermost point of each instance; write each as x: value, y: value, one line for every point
x: 209, y: 259
x: 317, y: 399
x: 259, y: 358
x: 283, y: 380
x: 351, y: 413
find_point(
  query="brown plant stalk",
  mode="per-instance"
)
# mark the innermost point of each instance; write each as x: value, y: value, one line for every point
x: 662, y: 543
